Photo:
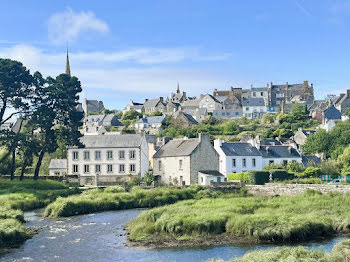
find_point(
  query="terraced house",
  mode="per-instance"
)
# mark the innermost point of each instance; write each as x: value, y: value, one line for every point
x: 108, y: 159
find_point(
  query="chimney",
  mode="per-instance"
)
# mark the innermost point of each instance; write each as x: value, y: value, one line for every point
x: 161, y: 99
x: 217, y: 143
x: 271, y: 84
x: 184, y: 94
x: 348, y: 92
x: 146, y: 99
x: 306, y: 83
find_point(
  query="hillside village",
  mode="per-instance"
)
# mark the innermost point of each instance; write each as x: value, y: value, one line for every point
x: 186, y: 140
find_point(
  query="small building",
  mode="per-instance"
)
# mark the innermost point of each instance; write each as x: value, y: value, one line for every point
x: 343, y: 101
x: 154, y: 105
x: 182, y: 120
x: 301, y: 135
x: 138, y: 107
x: 108, y: 159
x: 92, y: 106
x: 330, y: 117
x: 58, y: 167
x: 228, y: 114
x: 191, y: 104
x: 205, y: 177
x: 180, y: 160
x: 152, y: 124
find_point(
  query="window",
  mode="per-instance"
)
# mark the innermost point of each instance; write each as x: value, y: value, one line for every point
x: 262, y: 93
x: 121, y: 154
x: 218, y: 179
x: 121, y: 168
x: 180, y: 164
x: 254, y: 94
x: 253, y: 162
x: 109, y: 155
x: 97, y: 155
x: 132, y: 154
x: 247, y: 109
x: 202, y: 179
x: 86, y: 155
x: 285, y: 162
x: 234, y: 162
x: 75, y: 155
x: 97, y: 168
x: 57, y: 173
x: 75, y: 169
x: 244, y: 162
x: 132, y: 168
x: 159, y: 165
x: 109, y: 168
x: 271, y: 162
x: 86, y: 168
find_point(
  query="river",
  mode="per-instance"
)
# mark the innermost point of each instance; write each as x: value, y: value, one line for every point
x: 100, y: 238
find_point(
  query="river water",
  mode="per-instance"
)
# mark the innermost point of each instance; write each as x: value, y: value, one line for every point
x: 100, y: 238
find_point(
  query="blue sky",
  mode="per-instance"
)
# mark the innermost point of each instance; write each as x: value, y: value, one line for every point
x: 123, y: 50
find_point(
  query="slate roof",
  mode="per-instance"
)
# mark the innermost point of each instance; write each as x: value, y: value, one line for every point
x: 16, y: 127
x: 332, y: 113
x: 258, y: 101
x: 111, y: 141
x: 191, y: 103
x: 259, y: 89
x: 152, y: 103
x: 313, y: 159
x: 271, y: 142
x: 221, y: 99
x: 211, y: 172
x: 278, y: 152
x: 94, y: 118
x: 151, y: 120
x: 308, y: 132
x: 58, y: 164
x: 212, y: 97
x: 178, y: 147
x: 239, y: 149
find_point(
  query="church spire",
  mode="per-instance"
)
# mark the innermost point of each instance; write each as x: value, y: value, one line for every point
x: 178, y: 88
x: 67, y: 64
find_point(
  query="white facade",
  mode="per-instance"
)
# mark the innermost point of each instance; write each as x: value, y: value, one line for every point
x: 102, y: 163
x: 254, y: 111
x: 210, y: 103
x: 205, y: 179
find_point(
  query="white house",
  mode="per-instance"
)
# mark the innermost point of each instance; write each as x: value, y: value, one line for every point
x: 205, y: 177
x: 254, y: 107
x: 58, y: 167
x: 150, y: 123
x: 107, y: 159
x: 237, y: 157
x: 330, y: 117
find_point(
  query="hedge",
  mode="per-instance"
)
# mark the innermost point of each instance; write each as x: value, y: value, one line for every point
x: 261, y: 177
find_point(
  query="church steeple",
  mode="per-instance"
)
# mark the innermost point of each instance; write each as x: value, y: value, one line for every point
x: 178, y: 89
x: 67, y: 64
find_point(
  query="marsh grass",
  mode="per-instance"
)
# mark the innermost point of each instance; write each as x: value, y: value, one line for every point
x: 252, y: 219
x: 97, y: 200
x: 18, y: 196
x: 340, y: 253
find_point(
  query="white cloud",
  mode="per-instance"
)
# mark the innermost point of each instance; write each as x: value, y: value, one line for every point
x: 69, y: 25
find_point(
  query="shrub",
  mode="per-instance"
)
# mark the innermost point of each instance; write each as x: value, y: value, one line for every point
x: 12, y: 233
x: 311, y: 172
x: 281, y: 175
x: 238, y: 176
x: 114, y: 189
x: 258, y: 177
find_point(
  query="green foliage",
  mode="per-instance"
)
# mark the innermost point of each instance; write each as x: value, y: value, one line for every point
x: 131, y: 115
x: 12, y: 233
x: 283, y: 219
x: 136, y: 181
x: 281, y: 175
x: 148, y: 178
x: 274, y: 167
x: 96, y: 201
x: 294, y: 166
x: 311, y: 172
x: 238, y: 176
x: 114, y: 189
x: 344, y: 159
x: 258, y: 177
x: 311, y: 180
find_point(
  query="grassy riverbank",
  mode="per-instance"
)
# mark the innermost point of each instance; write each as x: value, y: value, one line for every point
x: 340, y: 253
x: 18, y: 196
x: 112, y: 198
x: 250, y: 219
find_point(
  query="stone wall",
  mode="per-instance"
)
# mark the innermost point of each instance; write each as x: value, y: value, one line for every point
x: 273, y: 189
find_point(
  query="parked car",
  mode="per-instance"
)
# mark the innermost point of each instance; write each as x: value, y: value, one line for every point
x: 334, y: 182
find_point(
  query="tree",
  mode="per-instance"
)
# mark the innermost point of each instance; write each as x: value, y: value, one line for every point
x: 55, y: 114
x: 131, y: 115
x: 344, y: 159
x: 299, y: 113
x: 16, y: 89
x: 148, y: 178
x: 317, y: 143
x: 268, y: 119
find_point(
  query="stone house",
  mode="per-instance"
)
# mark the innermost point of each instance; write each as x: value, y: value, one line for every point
x: 179, y: 96
x: 92, y: 106
x: 58, y: 167
x: 228, y: 114
x: 190, y: 104
x: 254, y: 107
x: 234, y: 93
x: 133, y: 106
x: 343, y: 101
x: 180, y: 160
x: 182, y: 120
x: 199, y: 114
x: 210, y: 103
x: 154, y: 105
x: 301, y: 135
x: 229, y: 104
x: 97, y: 124
x: 108, y: 159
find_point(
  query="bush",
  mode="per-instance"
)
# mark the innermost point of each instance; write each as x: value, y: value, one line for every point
x: 114, y: 189
x: 238, y: 176
x: 258, y: 177
x: 311, y: 172
x: 281, y: 175
x: 12, y: 233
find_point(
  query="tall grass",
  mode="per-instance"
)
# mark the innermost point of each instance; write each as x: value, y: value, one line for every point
x: 251, y: 219
x: 112, y: 199
x: 18, y: 196
x: 340, y: 253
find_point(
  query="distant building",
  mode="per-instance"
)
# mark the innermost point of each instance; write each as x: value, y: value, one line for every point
x: 181, y: 160
x: 235, y: 94
x: 228, y: 114
x: 97, y: 124
x: 343, y: 101
x: 190, y: 104
x: 92, y: 106
x: 330, y: 117
x: 58, y: 167
x: 301, y: 135
x: 210, y: 103
x: 179, y: 96
x: 133, y: 106
x: 152, y: 124
x: 154, y: 105
x: 108, y: 159
x: 182, y: 120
